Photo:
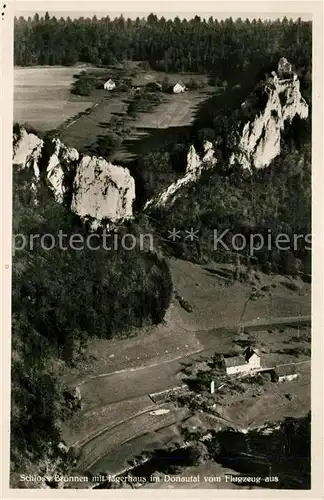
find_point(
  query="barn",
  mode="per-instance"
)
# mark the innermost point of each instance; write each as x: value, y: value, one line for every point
x: 248, y: 362
x: 286, y: 373
x: 109, y: 85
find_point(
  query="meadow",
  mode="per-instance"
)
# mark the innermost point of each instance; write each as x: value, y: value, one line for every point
x: 42, y: 96
x: 43, y: 99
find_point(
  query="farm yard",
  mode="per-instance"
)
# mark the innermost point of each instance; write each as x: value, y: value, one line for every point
x: 120, y: 419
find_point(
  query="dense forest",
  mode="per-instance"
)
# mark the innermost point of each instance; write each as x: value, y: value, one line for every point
x: 272, y: 201
x: 60, y: 299
x: 226, y: 47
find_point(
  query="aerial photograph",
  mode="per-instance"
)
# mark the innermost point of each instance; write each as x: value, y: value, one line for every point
x: 161, y: 252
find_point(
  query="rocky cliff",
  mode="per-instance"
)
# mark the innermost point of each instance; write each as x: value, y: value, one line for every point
x: 195, y: 165
x: 102, y: 190
x: 95, y: 189
x: 260, y: 140
x: 27, y: 150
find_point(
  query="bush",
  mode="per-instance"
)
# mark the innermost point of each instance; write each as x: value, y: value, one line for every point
x: 108, y: 143
x: 194, y: 84
x: 84, y: 85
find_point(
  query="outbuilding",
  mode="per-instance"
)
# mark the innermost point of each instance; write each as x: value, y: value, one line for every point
x: 109, y: 85
x: 248, y: 362
x: 178, y: 88
x: 286, y: 373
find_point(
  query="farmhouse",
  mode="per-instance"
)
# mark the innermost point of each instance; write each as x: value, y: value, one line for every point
x: 286, y: 373
x: 246, y: 363
x: 109, y: 85
x: 178, y: 88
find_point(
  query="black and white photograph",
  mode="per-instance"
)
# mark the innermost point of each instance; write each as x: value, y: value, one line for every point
x: 161, y: 274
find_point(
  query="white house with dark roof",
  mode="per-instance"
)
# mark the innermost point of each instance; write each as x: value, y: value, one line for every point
x: 248, y: 362
x: 178, y: 88
x: 109, y: 85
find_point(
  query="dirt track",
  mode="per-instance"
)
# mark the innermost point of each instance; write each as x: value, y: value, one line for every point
x: 131, y: 388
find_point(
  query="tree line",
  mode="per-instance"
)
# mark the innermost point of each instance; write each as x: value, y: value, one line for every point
x: 197, y: 44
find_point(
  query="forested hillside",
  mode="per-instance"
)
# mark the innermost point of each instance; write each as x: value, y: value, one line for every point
x: 223, y: 48
x: 272, y: 201
x: 60, y: 299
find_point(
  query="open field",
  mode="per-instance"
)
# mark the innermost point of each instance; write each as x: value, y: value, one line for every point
x: 177, y: 110
x: 151, y: 129
x: 83, y: 132
x: 118, y: 419
x: 145, y: 77
x: 215, y: 306
x: 174, y: 111
x: 42, y: 96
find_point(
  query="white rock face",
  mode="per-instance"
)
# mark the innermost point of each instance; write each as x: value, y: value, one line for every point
x: 58, y: 166
x: 193, y: 161
x: 195, y: 165
x: 102, y: 190
x: 260, y: 140
x: 27, y: 149
x: 209, y: 154
x: 99, y: 189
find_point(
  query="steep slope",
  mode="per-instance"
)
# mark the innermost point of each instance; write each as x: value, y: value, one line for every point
x: 195, y: 165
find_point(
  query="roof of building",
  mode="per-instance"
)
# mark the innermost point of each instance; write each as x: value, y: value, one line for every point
x: 248, y: 353
x: 284, y: 370
x: 234, y: 361
x: 180, y: 83
x: 110, y: 81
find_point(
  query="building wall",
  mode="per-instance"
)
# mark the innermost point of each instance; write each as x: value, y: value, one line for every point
x: 231, y: 370
x: 254, y: 361
x: 288, y: 378
x: 109, y: 86
x: 177, y: 89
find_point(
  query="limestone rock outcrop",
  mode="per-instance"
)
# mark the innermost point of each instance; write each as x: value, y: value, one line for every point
x: 98, y: 190
x: 58, y: 166
x: 102, y: 190
x: 259, y: 143
x: 195, y: 165
x: 27, y: 150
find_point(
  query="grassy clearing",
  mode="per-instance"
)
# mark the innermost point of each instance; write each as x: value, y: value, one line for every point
x: 177, y: 110
x: 215, y: 305
x: 271, y: 402
x: 83, y: 132
x: 43, y: 99
x: 42, y: 96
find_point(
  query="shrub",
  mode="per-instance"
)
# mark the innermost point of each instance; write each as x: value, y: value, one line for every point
x: 108, y: 143
x: 84, y: 85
